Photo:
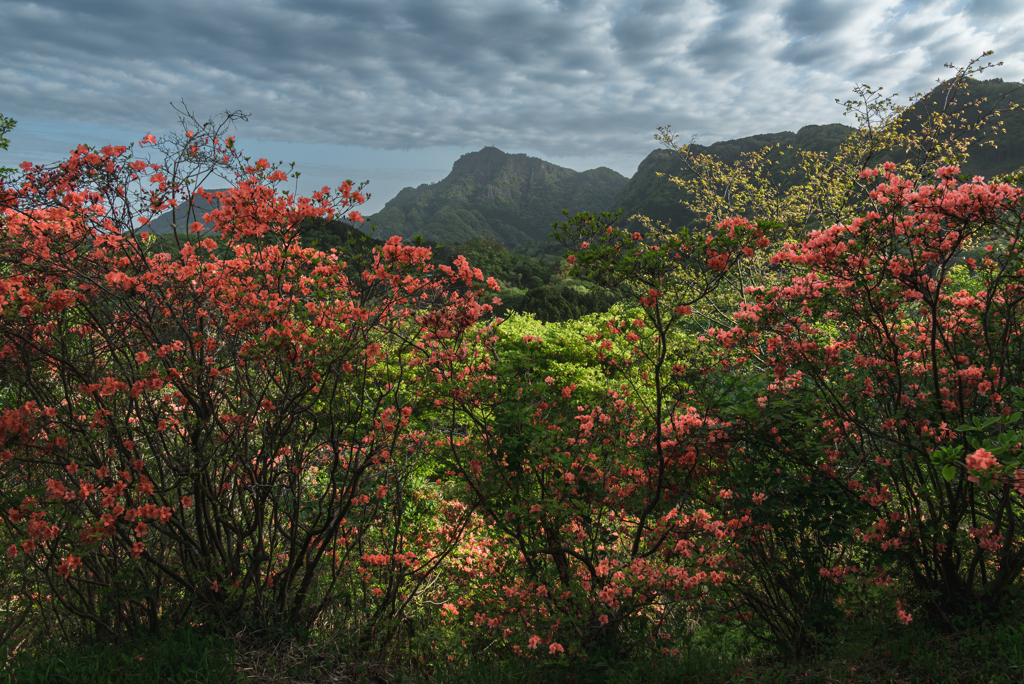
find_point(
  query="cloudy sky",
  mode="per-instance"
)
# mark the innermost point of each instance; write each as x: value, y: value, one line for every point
x: 394, y: 91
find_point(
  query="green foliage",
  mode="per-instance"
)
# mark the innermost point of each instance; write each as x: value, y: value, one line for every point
x: 566, y: 303
x: 705, y: 663
x: 7, y: 125
x: 545, y: 250
x: 509, y: 268
x: 532, y: 279
x: 801, y: 523
x: 560, y: 351
x: 326, y: 235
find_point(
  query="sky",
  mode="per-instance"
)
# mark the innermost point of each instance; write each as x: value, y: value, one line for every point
x: 394, y: 91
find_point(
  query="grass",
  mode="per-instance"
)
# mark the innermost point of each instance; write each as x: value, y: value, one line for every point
x: 981, y: 652
x: 187, y: 656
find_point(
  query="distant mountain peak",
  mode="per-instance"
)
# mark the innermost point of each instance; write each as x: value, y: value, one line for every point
x: 512, y: 198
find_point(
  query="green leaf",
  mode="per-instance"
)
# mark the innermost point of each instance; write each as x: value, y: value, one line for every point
x: 949, y: 472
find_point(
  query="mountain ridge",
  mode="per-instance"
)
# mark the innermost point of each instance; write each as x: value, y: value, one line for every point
x: 658, y: 198
x: 513, y: 198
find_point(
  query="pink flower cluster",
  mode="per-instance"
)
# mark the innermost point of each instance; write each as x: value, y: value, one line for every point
x: 980, y: 460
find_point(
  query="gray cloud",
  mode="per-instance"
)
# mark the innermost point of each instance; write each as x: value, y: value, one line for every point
x: 566, y: 79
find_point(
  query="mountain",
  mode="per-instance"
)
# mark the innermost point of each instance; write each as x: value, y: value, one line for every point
x: 188, y: 211
x: 323, y: 234
x: 1002, y: 144
x: 511, y: 198
x: 514, y: 199
x: 658, y: 198
x: 320, y: 233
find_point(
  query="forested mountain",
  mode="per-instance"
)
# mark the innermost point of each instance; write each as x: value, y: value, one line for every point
x: 658, y: 198
x: 319, y: 233
x: 181, y: 217
x: 512, y: 198
x: 1002, y: 150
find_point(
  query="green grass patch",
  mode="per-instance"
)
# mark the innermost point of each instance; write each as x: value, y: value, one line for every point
x: 186, y: 656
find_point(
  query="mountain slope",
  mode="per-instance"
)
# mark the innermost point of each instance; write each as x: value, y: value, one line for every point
x: 514, y: 199
x: 659, y: 198
x: 188, y: 211
x: 511, y: 198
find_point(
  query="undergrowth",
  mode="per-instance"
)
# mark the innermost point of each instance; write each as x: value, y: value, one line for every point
x: 982, y: 650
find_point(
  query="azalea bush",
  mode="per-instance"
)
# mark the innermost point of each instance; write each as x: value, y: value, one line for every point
x: 867, y: 406
x: 889, y: 371
x: 214, y: 436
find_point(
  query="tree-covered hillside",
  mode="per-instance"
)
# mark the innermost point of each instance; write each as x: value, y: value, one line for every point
x: 999, y: 149
x: 655, y: 196
x: 511, y: 198
x: 181, y: 217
